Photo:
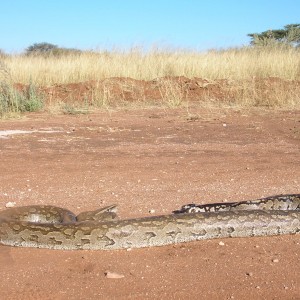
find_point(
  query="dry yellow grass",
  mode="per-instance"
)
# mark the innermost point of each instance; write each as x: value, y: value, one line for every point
x: 243, y: 68
x: 244, y: 63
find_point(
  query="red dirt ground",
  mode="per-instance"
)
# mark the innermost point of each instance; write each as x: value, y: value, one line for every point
x: 152, y: 159
x: 116, y: 90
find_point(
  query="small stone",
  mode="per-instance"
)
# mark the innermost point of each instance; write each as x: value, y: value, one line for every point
x: 128, y: 249
x: 224, y: 125
x: 221, y: 243
x: 257, y: 287
x: 249, y: 274
x: 275, y: 260
x: 152, y: 211
x: 113, y: 275
x: 10, y: 204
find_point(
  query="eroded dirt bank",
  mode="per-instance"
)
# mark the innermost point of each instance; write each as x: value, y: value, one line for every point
x: 173, y: 90
x: 152, y: 159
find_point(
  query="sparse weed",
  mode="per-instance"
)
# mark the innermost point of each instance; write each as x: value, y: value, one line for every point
x: 171, y: 93
x: 101, y: 98
x: 74, y: 109
x: 266, y: 93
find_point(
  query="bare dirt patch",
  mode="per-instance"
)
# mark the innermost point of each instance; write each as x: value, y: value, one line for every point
x: 152, y: 159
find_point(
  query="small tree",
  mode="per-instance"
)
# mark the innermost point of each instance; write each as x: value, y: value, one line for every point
x: 41, y: 48
x: 290, y: 35
x: 47, y: 49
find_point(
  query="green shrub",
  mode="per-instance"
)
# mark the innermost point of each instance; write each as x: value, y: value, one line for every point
x: 33, y: 100
x: 14, y: 101
x: 49, y: 50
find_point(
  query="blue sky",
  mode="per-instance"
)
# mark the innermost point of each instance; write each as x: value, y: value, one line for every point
x: 102, y: 24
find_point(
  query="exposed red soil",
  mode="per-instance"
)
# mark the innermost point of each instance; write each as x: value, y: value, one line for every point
x: 115, y: 90
x: 152, y: 159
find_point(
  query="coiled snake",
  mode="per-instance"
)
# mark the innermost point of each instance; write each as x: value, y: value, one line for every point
x: 57, y: 228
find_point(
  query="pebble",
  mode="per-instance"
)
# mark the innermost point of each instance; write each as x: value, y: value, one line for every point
x: 152, y: 211
x: 275, y: 260
x: 10, y: 204
x: 221, y: 243
x: 113, y: 275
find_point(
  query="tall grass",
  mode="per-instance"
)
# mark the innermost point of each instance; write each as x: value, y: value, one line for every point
x: 14, y: 101
x: 243, y: 63
x: 244, y: 68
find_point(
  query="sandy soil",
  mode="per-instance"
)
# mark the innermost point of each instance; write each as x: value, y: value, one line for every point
x: 152, y: 159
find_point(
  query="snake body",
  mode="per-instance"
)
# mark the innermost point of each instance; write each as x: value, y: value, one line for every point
x: 57, y: 228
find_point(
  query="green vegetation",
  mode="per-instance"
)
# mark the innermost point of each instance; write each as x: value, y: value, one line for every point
x: 15, y: 101
x: 47, y: 49
x: 288, y: 36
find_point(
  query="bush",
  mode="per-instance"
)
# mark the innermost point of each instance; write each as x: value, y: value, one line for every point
x: 47, y: 49
x: 14, y: 101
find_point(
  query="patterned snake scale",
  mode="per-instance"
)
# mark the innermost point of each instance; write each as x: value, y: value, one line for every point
x: 57, y: 228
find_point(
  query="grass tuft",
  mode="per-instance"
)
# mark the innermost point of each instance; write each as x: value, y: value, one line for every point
x: 13, y: 101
